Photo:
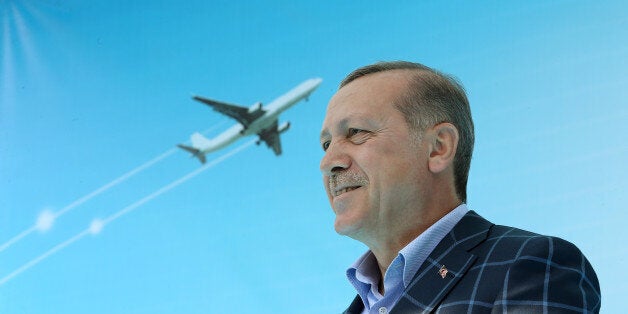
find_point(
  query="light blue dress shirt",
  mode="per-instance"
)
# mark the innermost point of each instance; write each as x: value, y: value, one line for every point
x: 364, y: 273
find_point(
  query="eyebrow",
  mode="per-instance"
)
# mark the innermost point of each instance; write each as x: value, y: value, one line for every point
x: 324, y: 134
x: 342, y: 125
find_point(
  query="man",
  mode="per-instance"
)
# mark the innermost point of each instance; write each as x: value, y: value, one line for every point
x: 398, y: 139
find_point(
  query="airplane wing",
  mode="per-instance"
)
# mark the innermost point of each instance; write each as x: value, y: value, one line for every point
x: 270, y: 136
x: 241, y: 114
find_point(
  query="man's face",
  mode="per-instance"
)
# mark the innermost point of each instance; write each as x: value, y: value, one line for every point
x: 373, y: 166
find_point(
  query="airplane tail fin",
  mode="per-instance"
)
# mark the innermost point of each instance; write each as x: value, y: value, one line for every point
x: 198, y: 140
x: 195, y: 152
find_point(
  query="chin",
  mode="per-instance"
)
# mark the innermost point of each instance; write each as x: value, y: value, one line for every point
x: 351, y: 217
x: 346, y: 227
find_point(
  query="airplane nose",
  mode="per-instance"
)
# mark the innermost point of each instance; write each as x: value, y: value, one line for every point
x: 316, y: 81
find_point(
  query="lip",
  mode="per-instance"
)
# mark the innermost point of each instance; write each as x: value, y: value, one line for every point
x: 346, y: 189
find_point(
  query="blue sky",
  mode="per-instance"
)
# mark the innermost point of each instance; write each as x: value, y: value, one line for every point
x: 90, y: 91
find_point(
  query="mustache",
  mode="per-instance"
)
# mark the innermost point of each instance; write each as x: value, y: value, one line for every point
x: 346, y: 178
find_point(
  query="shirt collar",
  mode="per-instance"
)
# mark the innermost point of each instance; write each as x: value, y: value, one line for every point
x: 364, y: 272
x: 417, y: 251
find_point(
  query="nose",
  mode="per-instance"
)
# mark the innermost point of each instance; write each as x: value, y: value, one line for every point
x: 334, y: 160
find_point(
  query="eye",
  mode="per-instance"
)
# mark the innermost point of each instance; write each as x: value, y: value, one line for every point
x: 354, y: 131
x: 358, y: 136
x: 325, y: 145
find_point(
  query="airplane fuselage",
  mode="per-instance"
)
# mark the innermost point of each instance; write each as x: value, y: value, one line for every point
x: 270, y: 116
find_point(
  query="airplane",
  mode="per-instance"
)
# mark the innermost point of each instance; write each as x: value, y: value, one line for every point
x: 257, y: 119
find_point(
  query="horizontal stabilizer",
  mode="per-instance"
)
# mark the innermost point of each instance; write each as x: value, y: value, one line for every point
x: 195, y: 152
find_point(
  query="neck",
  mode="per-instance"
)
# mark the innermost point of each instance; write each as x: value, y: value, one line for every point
x: 387, y: 246
x: 385, y: 253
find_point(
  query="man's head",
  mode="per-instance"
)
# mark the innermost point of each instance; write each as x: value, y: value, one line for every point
x: 394, y: 136
x: 432, y: 97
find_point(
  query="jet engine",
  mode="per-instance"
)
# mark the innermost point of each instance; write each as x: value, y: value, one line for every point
x: 283, y: 127
x: 256, y: 107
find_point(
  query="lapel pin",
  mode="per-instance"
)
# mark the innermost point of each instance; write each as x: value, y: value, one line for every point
x: 443, y: 271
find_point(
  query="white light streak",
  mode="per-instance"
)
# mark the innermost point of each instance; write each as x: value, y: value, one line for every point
x: 7, y: 83
x: 24, y: 36
x: 97, y: 225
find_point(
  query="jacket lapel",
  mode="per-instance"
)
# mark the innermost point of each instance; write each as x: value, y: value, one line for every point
x: 449, y: 261
x: 356, y: 307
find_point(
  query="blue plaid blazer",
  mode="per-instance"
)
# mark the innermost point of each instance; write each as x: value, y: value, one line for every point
x: 480, y: 267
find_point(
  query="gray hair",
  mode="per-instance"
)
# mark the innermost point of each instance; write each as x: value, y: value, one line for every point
x: 433, y: 97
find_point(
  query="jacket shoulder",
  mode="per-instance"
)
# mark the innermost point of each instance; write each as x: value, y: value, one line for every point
x: 523, y: 243
x: 539, y: 271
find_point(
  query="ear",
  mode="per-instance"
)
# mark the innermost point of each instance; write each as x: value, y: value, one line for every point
x: 443, y: 144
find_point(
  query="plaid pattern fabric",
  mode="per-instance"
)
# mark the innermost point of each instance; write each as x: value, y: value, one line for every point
x: 484, y: 268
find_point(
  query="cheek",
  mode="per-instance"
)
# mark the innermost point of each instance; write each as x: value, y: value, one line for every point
x: 398, y: 175
x: 389, y: 166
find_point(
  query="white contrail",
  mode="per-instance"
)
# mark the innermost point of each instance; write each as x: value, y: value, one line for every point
x: 115, y: 182
x: 40, y: 258
x: 99, y: 191
x: 126, y: 210
x: 175, y: 183
x: 89, y: 196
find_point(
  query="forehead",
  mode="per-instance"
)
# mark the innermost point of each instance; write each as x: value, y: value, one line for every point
x: 372, y: 96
